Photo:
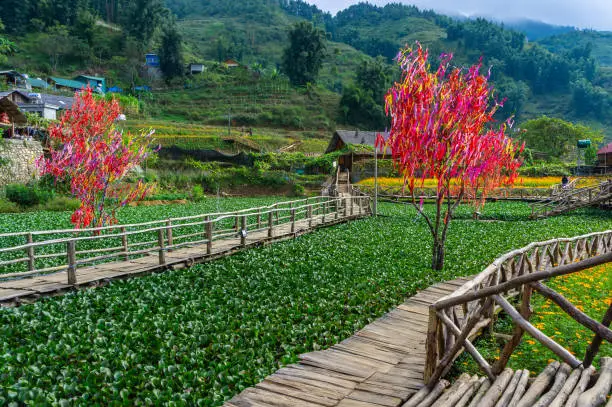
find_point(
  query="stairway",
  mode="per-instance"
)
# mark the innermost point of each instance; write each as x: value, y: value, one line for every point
x: 573, y: 198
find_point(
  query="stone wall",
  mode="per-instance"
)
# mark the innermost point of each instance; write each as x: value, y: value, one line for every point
x: 18, y: 161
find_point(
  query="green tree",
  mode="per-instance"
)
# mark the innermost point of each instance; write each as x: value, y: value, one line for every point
x: 373, y: 75
x: 56, y: 43
x: 555, y: 137
x: 303, y: 58
x: 170, y: 55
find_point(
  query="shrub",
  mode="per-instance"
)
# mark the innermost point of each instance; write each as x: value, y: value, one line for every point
x: 61, y: 203
x: 197, y: 193
x: 27, y: 196
x: 8, y: 206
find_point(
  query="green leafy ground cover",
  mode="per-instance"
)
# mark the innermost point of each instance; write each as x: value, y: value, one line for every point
x: 201, y: 335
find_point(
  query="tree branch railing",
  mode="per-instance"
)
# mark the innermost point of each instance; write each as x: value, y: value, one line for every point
x: 572, y: 199
x: 455, y: 320
x: 29, y: 254
x: 392, y: 193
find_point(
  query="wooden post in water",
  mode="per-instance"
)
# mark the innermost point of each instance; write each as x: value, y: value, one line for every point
x: 169, y: 233
x: 292, y: 220
x: 243, y: 230
x: 324, y: 212
x: 30, y: 252
x: 209, y: 235
x: 336, y: 209
x: 71, y: 254
x: 124, y: 244
x: 160, y: 243
x: 351, y: 199
x: 270, y: 224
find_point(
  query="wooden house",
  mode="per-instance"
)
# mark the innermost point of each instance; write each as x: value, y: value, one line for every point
x: 10, y: 110
x: 66, y: 84
x: 363, y: 147
x: 230, y: 63
x: 604, y: 158
x: 45, y: 105
x: 15, y: 79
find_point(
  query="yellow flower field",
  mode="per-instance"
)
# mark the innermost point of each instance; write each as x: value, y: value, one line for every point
x: 523, y: 182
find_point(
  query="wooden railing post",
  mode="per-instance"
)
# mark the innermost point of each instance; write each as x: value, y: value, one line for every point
x: 431, y: 344
x: 336, y: 214
x: 209, y: 235
x: 169, y: 234
x: 292, y: 220
x: 30, y: 252
x: 243, y: 230
x: 124, y: 244
x: 160, y: 243
x: 324, y: 208
x: 351, y: 199
x: 71, y: 254
x: 309, y: 211
x: 270, y: 224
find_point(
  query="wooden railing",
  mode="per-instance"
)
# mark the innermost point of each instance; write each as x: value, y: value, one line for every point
x: 515, y: 193
x: 572, y: 199
x: 456, y: 319
x: 30, y: 254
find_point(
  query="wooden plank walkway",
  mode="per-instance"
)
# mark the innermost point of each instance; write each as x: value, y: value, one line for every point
x: 381, y: 365
x: 26, y: 290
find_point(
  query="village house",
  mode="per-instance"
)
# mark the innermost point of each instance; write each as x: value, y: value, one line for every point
x: 16, y: 79
x: 45, y: 105
x: 96, y: 83
x: 604, y: 158
x: 361, y: 153
x: 66, y: 84
x: 231, y: 63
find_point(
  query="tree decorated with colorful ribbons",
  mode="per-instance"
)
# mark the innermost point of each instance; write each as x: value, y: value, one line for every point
x: 94, y: 156
x: 443, y: 127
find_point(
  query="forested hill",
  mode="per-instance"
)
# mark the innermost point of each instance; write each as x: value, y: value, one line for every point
x: 568, y: 75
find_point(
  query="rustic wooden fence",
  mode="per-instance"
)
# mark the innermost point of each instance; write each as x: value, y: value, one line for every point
x: 573, y: 199
x: 456, y: 319
x: 37, y: 253
x: 395, y: 194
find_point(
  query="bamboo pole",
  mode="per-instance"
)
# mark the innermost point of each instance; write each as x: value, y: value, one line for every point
x: 124, y: 244
x: 160, y: 243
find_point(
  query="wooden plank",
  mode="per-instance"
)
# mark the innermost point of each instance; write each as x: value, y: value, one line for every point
x: 356, y: 403
x: 299, y: 391
x: 317, y: 386
x: 375, y: 398
x: 327, y: 372
x: 387, y: 389
x: 320, y: 376
x: 272, y: 398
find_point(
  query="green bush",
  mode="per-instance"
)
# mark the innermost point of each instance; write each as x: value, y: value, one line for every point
x: 8, y: 206
x: 197, y: 193
x: 27, y: 196
x: 544, y: 169
x: 61, y: 203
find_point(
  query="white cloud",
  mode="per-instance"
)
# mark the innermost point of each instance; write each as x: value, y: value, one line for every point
x: 596, y: 14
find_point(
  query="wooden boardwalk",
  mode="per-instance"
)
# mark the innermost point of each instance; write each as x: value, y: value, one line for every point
x: 381, y: 365
x: 167, y: 256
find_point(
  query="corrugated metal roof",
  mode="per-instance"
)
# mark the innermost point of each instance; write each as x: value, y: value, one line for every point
x: 68, y: 83
x: 93, y: 78
x: 38, y: 83
x: 606, y: 150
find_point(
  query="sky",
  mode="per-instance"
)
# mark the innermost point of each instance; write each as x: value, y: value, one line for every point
x: 593, y: 14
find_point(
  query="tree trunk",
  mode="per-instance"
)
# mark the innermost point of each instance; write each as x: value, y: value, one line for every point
x: 437, y: 262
